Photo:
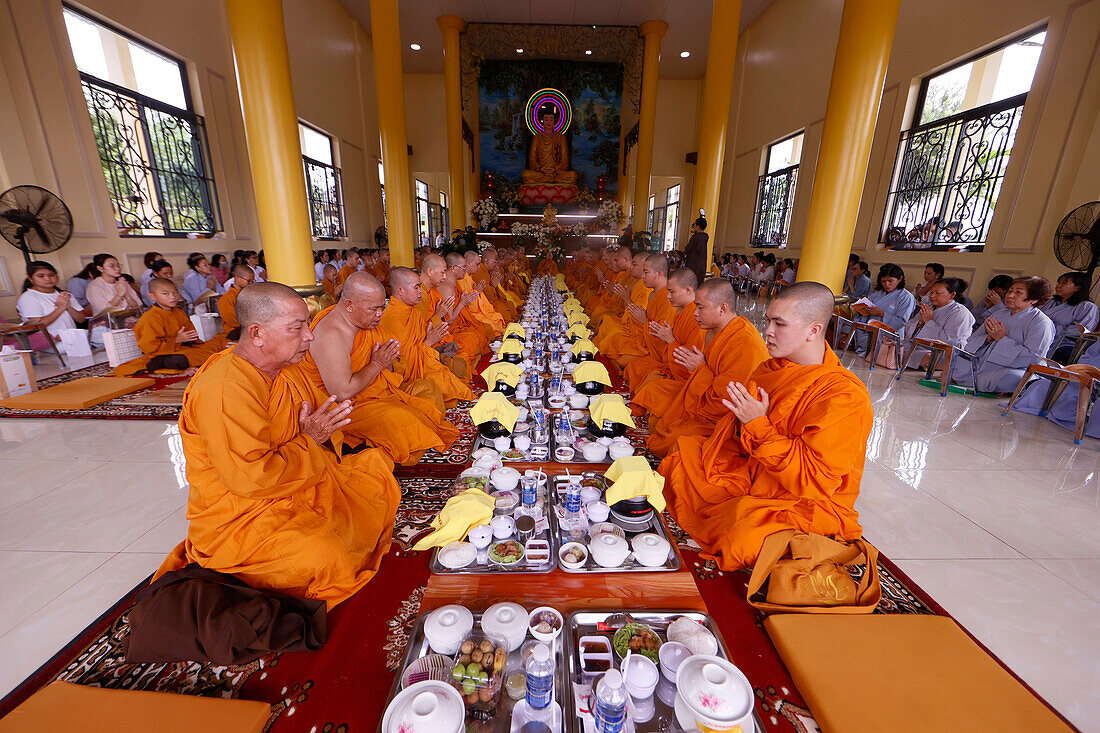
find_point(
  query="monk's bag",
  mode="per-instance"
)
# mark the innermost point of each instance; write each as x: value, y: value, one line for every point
x: 808, y: 573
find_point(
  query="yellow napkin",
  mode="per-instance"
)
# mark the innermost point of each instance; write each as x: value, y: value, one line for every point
x: 579, y: 330
x: 510, y: 346
x: 584, y: 345
x: 559, y: 278
x: 502, y: 371
x: 591, y: 371
x: 458, y: 516
x: 514, y: 328
x: 581, y: 318
x: 608, y: 406
x: 494, y: 405
x: 571, y: 305
x: 632, y: 476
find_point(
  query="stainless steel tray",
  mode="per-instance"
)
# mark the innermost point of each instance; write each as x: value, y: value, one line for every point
x: 586, y: 623
x: 655, y: 525
x: 579, y: 433
x: 482, y: 566
x: 501, y: 720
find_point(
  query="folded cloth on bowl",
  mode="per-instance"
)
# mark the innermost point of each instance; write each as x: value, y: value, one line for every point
x: 510, y: 346
x: 584, y: 345
x: 572, y: 304
x: 630, y: 477
x: 593, y: 371
x: 502, y: 371
x: 458, y: 516
x: 579, y: 330
x: 494, y: 406
x: 606, y: 406
x: 514, y: 328
x: 581, y: 318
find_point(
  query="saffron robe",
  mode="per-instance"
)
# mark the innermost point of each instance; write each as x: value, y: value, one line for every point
x: 385, y: 415
x: 797, y: 467
x: 330, y: 289
x: 731, y: 356
x: 267, y: 503
x: 345, y: 272
x: 613, y: 328
x: 607, y: 302
x: 495, y: 295
x: 639, y: 341
x: 418, y: 360
x: 227, y: 309
x: 156, y: 333
x: 467, y: 333
x: 481, y: 310
x: 659, y: 365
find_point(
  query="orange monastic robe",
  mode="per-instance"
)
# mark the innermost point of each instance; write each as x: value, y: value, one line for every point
x: 227, y: 309
x: 481, y: 309
x: 345, y: 272
x: 797, y: 467
x: 731, y: 356
x: 494, y: 295
x: 156, y: 336
x: 418, y: 360
x: 471, y: 339
x: 658, y: 366
x: 608, y: 303
x: 640, y: 342
x: 384, y: 415
x: 381, y: 270
x: 612, y: 328
x: 267, y: 503
x: 330, y: 289
x: 547, y: 266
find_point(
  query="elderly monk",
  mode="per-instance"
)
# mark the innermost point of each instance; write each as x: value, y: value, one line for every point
x: 350, y: 267
x: 419, y: 359
x: 481, y: 307
x: 352, y: 358
x: 466, y: 297
x: 167, y: 337
x: 638, y: 294
x: 227, y: 303
x: 732, y: 349
x: 788, y: 454
x: 270, y: 502
x: 438, y: 284
x: 663, y: 338
x: 636, y: 340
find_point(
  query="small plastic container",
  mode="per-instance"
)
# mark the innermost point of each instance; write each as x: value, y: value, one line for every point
x: 595, y: 655
x: 481, y: 688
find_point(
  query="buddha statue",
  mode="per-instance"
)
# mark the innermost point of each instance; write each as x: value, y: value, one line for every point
x: 548, y: 159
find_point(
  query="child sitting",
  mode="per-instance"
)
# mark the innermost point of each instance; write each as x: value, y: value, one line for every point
x: 167, y: 337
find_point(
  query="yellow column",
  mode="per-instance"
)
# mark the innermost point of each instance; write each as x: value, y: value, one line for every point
x: 855, y: 91
x: 390, y: 84
x: 652, y: 31
x: 714, y: 117
x: 274, y: 150
x: 452, y: 27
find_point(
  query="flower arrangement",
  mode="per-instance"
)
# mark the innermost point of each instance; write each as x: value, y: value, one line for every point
x: 610, y: 215
x: 482, y: 245
x: 486, y: 212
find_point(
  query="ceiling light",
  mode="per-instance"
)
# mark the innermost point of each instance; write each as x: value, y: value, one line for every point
x: 588, y: 52
x: 685, y: 54
x: 414, y: 46
x: 519, y: 50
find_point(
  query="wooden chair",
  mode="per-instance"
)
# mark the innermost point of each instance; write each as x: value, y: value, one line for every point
x: 840, y: 325
x: 878, y: 333
x: 1081, y: 342
x: 1088, y: 389
x: 937, y: 347
x: 21, y: 333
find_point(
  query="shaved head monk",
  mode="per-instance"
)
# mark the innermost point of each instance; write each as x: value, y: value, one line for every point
x: 732, y: 349
x: 419, y: 358
x: 481, y: 308
x: 636, y: 341
x: 351, y: 358
x: 350, y: 267
x: 270, y: 502
x: 789, y: 452
x: 613, y: 330
x: 442, y: 304
x: 243, y: 276
x: 615, y: 286
x: 664, y: 336
x: 167, y: 337
x: 501, y: 299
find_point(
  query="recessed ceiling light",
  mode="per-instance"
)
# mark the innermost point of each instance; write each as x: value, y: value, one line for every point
x: 588, y: 52
x: 414, y: 46
x: 519, y: 50
x: 685, y: 54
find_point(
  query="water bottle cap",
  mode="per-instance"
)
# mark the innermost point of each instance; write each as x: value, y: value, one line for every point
x: 541, y: 653
x: 613, y: 679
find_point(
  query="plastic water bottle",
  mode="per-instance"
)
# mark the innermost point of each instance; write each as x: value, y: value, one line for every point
x: 572, y: 501
x: 610, y: 703
x: 540, y: 684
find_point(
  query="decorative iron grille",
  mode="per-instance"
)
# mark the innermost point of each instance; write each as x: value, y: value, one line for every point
x: 326, y: 202
x: 774, y: 201
x: 948, y: 177
x: 156, y: 162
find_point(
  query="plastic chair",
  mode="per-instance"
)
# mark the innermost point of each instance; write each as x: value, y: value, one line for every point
x: 1081, y: 342
x: 1088, y: 389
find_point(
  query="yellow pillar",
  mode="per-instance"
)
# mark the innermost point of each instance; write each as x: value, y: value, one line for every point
x: 714, y: 118
x: 652, y: 31
x: 855, y: 91
x: 390, y: 85
x: 452, y: 27
x: 274, y: 150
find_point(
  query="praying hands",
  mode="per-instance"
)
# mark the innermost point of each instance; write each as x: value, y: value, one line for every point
x: 743, y: 405
x: 321, y: 423
x: 663, y: 331
x: 688, y: 357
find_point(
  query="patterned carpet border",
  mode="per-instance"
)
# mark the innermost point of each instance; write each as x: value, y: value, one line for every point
x: 116, y: 409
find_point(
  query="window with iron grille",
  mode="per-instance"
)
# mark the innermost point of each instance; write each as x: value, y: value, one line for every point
x: 771, y: 221
x: 951, y: 163
x: 152, y: 145
x: 326, y: 199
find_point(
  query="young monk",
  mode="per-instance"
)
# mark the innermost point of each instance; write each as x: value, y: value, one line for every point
x: 167, y: 337
x: 419, y: 359
x: 615, y: 285
x: 352, y: 358
x: 381, y: 267
x: 439, y: 288
x: 637, y: 342
x: 328, y: 282
x: 481, y: 308
x: 662, y: 339
x: 270, y: 502
x: 227, y: 303
x: 350, y: 268
x: 733, y: 348
x: 788, y: 454
x: 612, y: 328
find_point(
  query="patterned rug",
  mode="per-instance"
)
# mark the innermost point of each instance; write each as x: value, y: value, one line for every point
x: 142, y: 405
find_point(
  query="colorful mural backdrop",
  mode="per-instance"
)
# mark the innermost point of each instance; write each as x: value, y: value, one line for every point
x: 594, y: 91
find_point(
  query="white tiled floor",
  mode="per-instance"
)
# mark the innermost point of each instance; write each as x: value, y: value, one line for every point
x: 997, y: 518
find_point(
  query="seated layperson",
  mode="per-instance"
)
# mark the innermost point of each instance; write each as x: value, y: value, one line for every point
x: 199, y: 280
x: 789, y: 452
x: 1064, y: 410
x: 42, y: 304
x: 270, y: 502
x: 942, y: 318
x: 108, y: 291
x: 166, y: 336
x: 994, y: 298
x: 933, y: 273
x: 1072, y: 311
x: 162, y: 270
x: 227, y: 303
x: 893, y: 304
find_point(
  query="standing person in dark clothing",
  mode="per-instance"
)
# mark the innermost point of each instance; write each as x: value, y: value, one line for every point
x: 695, y: 253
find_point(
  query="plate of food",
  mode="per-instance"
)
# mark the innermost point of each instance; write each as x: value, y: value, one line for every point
x: 513, y: 455
x: 457, y: 555
x: 600, y: 527
x: 637, y: 639
x: 506, y: 554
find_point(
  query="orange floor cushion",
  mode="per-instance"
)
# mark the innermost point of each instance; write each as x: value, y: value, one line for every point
x: 903, y: 674
x: 67, y: 707
x: 78, y: 394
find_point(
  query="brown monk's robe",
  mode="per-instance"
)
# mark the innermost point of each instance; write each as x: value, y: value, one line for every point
x: 345, y: 272
x: 330, y: 289
x: 471, y: 339
x: 481, y: 310
x: 156, y: 336
x: 612, y: 327
x: 658, y: 366
x: 798, y: 467
x: 402, y: 419
x: 381, y: 270
x: 626, y: 348
x: 494, y: 295
x: 731, y: 356
x: 227, y: 309
x: 418, y: 360
x: 267, y: 503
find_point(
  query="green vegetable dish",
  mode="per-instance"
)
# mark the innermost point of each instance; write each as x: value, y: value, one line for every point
x: 638, y: 639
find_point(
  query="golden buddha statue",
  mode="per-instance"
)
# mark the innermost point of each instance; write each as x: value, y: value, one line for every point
x: 548, y: 159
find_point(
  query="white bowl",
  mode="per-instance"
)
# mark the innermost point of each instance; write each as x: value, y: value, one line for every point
x: 650, y: 549
x: 555, y: 403
x: 594, y: 452
x: 672, y: 654
x: 480, y: 536
x: 608, y: 550
x: 572, y: 546
x: 620, y: 450
x: 590, y: 494
x: 522, y: 392
x: 503, y: 527
x: 640, y: 675
x: 728, y: 693
x: 521, y: 413
x: 428, y: 705
x: 508, y: 621
x: 578, y: 400
x: 504, y: 479
x: 564, y: 453
x: 597, y: 511
x: 522, y: 442
x: 502, y: 444
x: 547, y: 613
x: 446, y: 627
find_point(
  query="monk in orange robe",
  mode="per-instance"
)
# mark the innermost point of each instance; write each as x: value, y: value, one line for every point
x: 419, y: 358
x: 492, y: 291
x: 733, y: 350
x: 441, y: 304
x: 480, y: 309
x: 351, y: 266
x: 615, y: 288
x: 351, y: 358
x: 167, y: 337
x: 548, y: 267
x: 789, y: 453
x: 270, y: 502
x: 662, y: 339
x: 328, y: 282
x: 612, y: 327
x: 227, y: 302
x: 381, y: 267
x: 634, y: 342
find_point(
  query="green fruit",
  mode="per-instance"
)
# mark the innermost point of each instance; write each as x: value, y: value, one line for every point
x: 483, y: 678
x: 468, y: 688
x: 459, y: 672
x: 472, y: 669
